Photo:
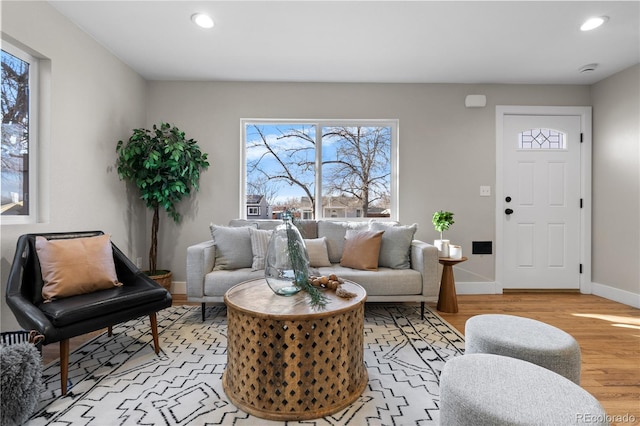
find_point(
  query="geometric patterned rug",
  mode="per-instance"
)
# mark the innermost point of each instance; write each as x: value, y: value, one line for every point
x: 119, y: 380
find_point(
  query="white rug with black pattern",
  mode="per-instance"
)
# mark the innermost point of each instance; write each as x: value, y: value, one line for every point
x: 119, y: 380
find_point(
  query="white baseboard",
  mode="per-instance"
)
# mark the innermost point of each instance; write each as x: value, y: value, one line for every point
x: 490, y: 287
x: 615, y: 294
x: 179, y: 287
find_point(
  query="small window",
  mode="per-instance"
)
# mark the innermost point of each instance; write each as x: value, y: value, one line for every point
x: 18, y: 170
x: 541, y: 139
x: 253, y: 211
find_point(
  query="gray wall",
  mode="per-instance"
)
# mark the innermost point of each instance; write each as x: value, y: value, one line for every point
x: 616, y: 181
x: 93, y: 101
x: 446, y: 150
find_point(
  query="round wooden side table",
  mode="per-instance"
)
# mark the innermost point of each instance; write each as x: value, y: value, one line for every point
x: 289, y: 361
x: 447, y: 299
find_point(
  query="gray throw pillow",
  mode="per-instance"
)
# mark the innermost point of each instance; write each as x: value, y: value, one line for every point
x: 233, y: 247
x: 395, y: 251
x: 334, y: 233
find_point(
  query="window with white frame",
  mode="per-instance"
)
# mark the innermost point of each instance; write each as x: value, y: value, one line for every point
x: 253, y: 211
x: 18, y: 177
x: 322, y: 169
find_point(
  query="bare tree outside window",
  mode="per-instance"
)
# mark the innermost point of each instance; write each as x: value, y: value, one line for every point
x: 355, y: 168
x: 359, y: 166
x: 15, y: 136
x: 280, y: 161
x: 261, y: 185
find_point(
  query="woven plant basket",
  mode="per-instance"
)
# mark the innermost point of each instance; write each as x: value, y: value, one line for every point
x: 163, y: 278
x: 13, y: 337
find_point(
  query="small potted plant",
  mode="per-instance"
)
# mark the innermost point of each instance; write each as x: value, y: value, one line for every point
x: 164, y: 166
x: 442, y: 221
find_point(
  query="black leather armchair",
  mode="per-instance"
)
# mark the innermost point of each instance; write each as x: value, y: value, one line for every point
x: 68, y: 317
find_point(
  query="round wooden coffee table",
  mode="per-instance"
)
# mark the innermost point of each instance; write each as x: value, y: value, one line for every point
x: 289, y: 361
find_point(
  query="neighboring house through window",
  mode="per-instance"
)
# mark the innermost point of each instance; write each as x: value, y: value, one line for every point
x: 19, y: 140
x: 257, y: 207
x: 322, y: 169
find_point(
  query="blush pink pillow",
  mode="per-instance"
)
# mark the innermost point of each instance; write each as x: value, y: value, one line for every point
x: 76, y: 266
x: 361, y: 249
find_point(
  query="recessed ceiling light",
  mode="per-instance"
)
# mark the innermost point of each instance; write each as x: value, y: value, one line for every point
x: 593, y: 23
x: 202, y: 20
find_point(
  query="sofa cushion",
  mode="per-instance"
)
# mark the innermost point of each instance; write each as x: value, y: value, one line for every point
x: 335, y: 233
x: 138, y: 293
x: 361, y: 249
x: 233, y: 247
x: 308, y: 228
x: 396, y: 244
x: 268, y: 224
x: 317, y: 251
x: 384, y: 282
x: 76, y: 266
x: 259, y: 243
x: 218, y: 282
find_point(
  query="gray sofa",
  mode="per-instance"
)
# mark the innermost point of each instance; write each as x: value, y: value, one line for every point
x: 213, y: 267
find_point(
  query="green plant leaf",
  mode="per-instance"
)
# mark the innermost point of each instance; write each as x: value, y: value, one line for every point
x: 442, y: 220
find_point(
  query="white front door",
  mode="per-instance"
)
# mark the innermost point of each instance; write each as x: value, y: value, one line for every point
x: 540, y: 205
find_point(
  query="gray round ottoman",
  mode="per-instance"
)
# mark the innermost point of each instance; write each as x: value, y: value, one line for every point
x: 525, y: 339
x: 485, y: 389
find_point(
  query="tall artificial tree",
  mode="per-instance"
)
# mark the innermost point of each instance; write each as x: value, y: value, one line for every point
x: 165, y: 167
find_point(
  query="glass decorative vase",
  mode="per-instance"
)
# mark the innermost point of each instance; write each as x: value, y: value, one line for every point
x: 287, y: 261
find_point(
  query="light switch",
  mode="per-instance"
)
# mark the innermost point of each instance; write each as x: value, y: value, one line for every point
x: 485, y: 191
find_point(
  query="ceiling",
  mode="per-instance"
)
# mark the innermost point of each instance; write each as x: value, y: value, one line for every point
x: 535, y: 42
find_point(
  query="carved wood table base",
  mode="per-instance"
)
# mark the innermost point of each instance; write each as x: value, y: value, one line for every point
x: 289, y: 361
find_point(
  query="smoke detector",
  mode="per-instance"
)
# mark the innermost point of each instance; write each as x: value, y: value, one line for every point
x: 588, y: 68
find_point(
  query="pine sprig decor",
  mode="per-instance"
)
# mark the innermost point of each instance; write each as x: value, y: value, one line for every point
x: 300, y: 267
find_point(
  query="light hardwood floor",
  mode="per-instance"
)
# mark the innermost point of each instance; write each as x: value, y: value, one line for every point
x: 608, y: 334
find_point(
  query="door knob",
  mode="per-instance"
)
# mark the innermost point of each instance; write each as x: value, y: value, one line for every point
x: 508, y: 211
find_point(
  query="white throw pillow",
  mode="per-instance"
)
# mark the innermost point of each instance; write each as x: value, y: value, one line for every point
x: 317, y: 250
x: 259, y: 243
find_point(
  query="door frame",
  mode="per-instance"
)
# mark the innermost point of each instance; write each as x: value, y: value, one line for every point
x: 585, y: 183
